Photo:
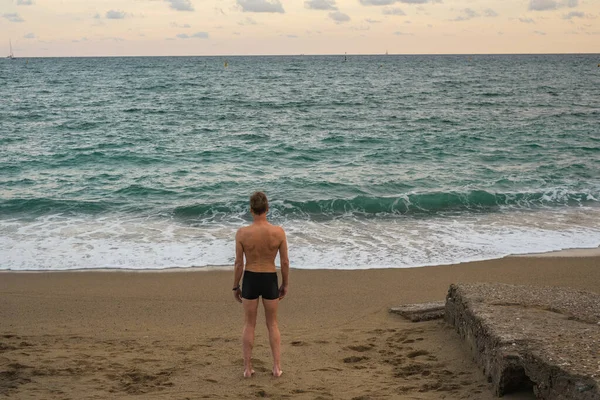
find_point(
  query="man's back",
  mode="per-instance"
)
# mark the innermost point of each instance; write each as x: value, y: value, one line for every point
x: 261, y: 242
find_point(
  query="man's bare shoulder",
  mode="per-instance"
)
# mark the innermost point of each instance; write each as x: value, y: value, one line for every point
x: 241, y: 232
x: 278, y: 230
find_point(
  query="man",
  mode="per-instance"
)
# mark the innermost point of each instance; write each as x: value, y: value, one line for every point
x: 259, y: 243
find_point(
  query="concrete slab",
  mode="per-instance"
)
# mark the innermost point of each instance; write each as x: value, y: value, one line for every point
x: 421, y: 311
x: 546, y: 338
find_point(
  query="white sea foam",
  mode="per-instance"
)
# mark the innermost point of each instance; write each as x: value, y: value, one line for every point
x: 59, y: 243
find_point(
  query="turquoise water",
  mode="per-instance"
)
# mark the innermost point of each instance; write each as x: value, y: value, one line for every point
x: 380, y: 161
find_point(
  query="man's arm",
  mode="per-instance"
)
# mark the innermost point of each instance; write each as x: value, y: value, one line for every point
x: 285, y: 266
x: 238, y: 265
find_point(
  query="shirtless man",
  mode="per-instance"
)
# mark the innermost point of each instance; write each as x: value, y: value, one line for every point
x: 259, y: 243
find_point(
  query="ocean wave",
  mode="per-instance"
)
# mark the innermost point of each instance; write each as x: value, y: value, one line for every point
x: 415, y: 203
x: 431, y: 203
x: 35, y: 207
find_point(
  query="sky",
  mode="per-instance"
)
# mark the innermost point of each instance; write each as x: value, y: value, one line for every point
x: 56, y: 28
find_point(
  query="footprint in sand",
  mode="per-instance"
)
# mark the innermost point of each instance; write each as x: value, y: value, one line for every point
x: 410, y: 370
x: 14, y: 376
x: 417, y: 353
x: 354, y: 359
x: 135, y: 381
x: 327, y: 369
x: 6, y: 347
x: 361, y: 348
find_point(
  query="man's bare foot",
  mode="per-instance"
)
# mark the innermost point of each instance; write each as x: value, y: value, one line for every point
x: 248, y: 373
x: 277, y: 372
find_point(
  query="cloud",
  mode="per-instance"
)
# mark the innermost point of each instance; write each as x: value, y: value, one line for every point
x: 539, y: 33
x: 488, y: 12
x: 268, y: 6
x: 467, y: 14
x: 114, y: 39
x: 393, y: 11
x: 248, y: 21
x: 29, y: 36
x: 292, y: 36
x: 320, y: 4
x: 398, y: 33
x: 176, y: 25
x: 197, y: 35
x: 24, y: 2
x: 542, y: 5
x: 339, y: 17
x: 527, y: 20
x: 180, y: 5
x: 115, y: 14
x: 13, y: 17
x: 372, y: 21
x: 389, y: 2
x: 574, y: 14
x: 377, y: 2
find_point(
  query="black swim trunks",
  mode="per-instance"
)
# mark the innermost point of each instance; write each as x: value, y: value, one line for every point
x: 255, y: 284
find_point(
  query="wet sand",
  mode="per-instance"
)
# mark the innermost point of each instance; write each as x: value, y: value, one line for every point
x: 106, y: 334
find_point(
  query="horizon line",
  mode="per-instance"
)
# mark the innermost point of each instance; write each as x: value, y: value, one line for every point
x: 316, y: 54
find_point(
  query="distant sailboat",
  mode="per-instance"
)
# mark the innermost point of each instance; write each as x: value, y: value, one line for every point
x: 386, y: 52
x: 11, y: 56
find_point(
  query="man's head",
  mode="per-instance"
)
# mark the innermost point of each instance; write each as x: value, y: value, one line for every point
x: 259, y: 203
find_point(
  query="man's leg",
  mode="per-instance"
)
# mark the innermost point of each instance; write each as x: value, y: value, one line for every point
x: 274, y: 336
x: 250, y: 308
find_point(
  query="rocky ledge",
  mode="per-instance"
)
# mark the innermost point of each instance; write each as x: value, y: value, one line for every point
x: 545, y: 339
x: 421, y: 311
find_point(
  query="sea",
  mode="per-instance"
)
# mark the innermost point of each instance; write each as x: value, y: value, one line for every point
x: 381, y: 161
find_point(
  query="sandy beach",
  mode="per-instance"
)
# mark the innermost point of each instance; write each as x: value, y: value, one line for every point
x: 176, y: 334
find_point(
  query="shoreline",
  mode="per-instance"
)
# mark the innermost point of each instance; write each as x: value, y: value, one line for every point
x: 568, y: 253
x: 574, y: 252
